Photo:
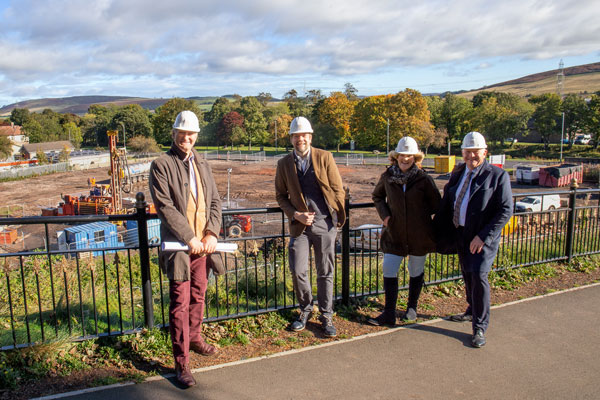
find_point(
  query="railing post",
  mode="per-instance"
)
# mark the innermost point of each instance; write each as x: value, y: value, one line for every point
x: 346, y: 252
x: 142, y: 221
x: 571, y: 221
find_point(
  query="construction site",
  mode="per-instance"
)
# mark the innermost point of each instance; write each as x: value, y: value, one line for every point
x: 112, y: 190
x: 242, y: 184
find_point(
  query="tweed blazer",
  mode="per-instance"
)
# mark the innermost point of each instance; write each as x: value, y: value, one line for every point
x: 289, y: 193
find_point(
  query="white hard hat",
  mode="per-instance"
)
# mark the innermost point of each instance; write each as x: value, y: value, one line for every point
x: 187, y: 121
x: 300, y: 125
x: 408, y: 146
x: 473, y: 141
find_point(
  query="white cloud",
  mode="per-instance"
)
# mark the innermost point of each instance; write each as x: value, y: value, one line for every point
x: 136, y: 39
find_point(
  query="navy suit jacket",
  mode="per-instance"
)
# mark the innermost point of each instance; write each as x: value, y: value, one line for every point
x: 488, y: 211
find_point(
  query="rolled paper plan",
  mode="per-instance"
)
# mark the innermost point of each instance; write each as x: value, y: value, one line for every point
x: 178, y: 246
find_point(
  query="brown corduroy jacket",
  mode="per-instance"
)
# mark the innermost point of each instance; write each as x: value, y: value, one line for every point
x: 170, y: 190
x: 289, y: 193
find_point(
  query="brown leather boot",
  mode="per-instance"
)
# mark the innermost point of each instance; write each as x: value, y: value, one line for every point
x: 203, y: 348
x: 184, y: 375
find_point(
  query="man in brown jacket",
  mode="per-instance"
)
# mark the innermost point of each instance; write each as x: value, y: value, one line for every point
x: 309, y: 190
x: 189, y: 207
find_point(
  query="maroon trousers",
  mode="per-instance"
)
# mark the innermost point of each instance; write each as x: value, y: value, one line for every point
x: 186, y: 309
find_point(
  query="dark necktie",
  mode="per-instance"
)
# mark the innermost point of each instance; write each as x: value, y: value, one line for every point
x: 459, y: 199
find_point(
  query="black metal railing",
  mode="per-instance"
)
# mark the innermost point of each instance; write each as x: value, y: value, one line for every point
x: 50, y: 292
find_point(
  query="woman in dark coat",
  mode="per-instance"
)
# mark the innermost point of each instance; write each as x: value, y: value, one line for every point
x: 405, y: 198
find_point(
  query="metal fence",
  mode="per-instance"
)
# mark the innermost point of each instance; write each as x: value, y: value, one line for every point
x: 47, y: 293
x: 37, y: 170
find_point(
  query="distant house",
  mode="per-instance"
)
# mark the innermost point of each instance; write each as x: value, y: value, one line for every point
x: 13, y: 133
x: 30, y: 150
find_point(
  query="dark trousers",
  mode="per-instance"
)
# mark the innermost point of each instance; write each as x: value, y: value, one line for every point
x: 478, y: 297
x: 186, y: 309
x: 477, y: 286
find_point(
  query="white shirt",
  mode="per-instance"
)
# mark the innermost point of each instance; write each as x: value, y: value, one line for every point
x: 465, y: 201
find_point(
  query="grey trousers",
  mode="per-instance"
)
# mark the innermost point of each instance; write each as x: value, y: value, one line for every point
x: 321, y: 235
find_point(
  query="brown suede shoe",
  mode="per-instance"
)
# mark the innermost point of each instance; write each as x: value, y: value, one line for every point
x: 184, y: 375
x: 203, y: 348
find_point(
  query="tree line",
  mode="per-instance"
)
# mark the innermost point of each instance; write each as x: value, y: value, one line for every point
x: 337, y: 119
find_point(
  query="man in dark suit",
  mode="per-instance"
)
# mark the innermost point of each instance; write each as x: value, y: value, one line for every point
x: 309, y: 190
x: 478, y: 198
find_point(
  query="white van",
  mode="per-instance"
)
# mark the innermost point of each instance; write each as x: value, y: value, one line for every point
x: 538, y: 203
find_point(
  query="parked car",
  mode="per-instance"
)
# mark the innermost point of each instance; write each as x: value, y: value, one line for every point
x: 582, y: 139
x: 365, y: 237
x: 538, y: 203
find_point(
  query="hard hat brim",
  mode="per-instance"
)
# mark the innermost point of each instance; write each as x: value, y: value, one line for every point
x: 186, y: 130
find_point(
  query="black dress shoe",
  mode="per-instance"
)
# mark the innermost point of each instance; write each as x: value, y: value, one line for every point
x: 461, y: 317
x: 478, y: 339
x: 299, y: 324
x: 385, y: 318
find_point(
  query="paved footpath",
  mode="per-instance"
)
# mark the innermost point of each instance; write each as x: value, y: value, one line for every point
x: 542, y: 348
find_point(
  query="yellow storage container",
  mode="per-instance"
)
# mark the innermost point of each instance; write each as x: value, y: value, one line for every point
x: 444, y: 164
x: 510, y: 226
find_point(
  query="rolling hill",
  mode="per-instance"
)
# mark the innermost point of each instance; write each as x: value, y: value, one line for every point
x: 581, y: 79
x: 80, y: 104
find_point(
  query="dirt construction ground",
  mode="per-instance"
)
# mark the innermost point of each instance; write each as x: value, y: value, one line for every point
x: 251, y: 186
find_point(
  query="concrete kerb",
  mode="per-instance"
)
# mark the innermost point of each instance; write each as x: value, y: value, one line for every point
x: 296, y: 351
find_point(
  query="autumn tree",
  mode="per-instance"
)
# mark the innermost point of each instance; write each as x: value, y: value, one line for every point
x: 165, y: 115
x: 546, y: 115
x: 142, y: 144
x: 369, y: 121
x: 280, y: 128
x: 426, y: 136
x: 406, y: 111
x: 226, y: 127
x: 332, y: 115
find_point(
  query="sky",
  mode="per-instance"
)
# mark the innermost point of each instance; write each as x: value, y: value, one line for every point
x: 176, y: 48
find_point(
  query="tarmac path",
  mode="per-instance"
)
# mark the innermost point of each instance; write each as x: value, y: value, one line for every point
x: 546, y: 347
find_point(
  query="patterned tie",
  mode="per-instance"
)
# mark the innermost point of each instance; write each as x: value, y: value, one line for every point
x: 459, y: 199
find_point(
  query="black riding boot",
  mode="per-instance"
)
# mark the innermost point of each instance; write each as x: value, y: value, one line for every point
x: 414, y: 291
x: 388, y: 316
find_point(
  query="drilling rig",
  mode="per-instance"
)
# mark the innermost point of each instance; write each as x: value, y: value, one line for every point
x: 103, y: 199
